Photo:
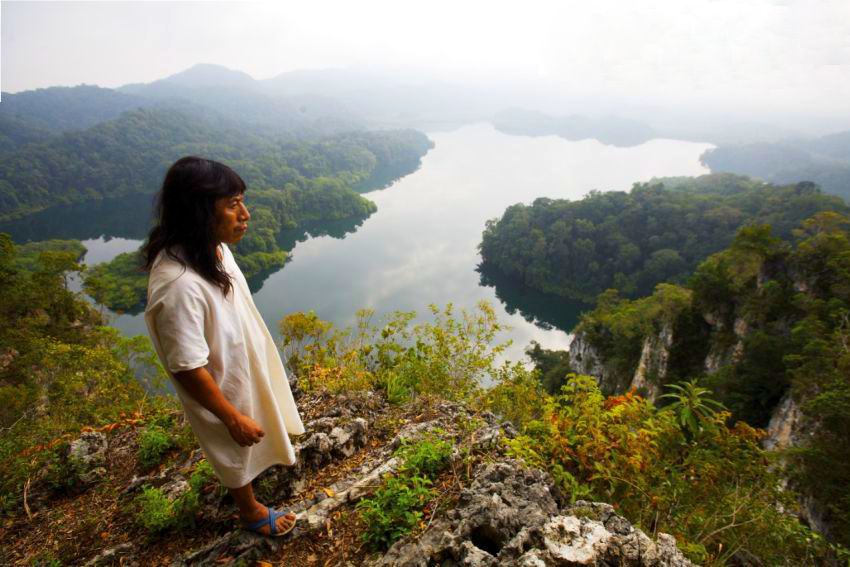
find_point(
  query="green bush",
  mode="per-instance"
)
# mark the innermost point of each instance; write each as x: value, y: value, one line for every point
x: 426, y: 457
x: 396, y: 507
x: 155, y: 512
x: 394, y: 510
x: 451, y: 355
x: 154, y: 442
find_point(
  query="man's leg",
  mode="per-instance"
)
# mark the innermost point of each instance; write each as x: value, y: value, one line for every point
x: 252, y: 511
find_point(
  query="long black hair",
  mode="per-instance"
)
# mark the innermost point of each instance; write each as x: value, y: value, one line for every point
x: 185, y: 215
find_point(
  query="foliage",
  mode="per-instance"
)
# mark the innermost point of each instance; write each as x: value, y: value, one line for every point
x: 426, y: 457
x: 517, y: 394
x: 27, y: 254
x: 135, y: 148
x: 657, y: 232
x: 711, y: 486
x: 155, y: 512
x: 450, y: 356
x: 394, y: 509
x: 154, y: 442
x: 779, y: 316
x: 823, y: 160
x: 617, y: 327
x: 60, y: 370
x: 693, y: 406
x: 396, y: 506
x: 553, y: 365
x: 118, y: 283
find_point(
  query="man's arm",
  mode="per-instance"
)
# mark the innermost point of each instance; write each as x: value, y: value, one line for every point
x: 203, y: 388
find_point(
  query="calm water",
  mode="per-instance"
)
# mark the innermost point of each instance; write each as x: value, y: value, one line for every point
x: 420, y: 246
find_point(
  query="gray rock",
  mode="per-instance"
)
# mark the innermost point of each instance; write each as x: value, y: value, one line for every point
x: 515, y: 516
x: 88, y: 452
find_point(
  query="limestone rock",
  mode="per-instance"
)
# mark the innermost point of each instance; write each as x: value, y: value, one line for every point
x: 516, y: 516
x: 88, y: 452
x: 652, y: 367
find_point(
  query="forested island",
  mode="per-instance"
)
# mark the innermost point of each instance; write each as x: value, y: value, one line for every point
x: 659, y: 231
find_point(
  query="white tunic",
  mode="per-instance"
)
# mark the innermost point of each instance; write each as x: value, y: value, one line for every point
x: 191, y: 325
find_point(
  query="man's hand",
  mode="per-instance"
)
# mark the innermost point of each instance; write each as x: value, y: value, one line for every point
x: 203, y: 388
x: 245, y: 430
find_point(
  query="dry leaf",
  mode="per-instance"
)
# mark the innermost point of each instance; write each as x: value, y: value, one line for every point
x: 263, y: 564
x: 329, y: 492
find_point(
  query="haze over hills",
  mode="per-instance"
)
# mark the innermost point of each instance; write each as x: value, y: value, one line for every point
x: 824, y: 160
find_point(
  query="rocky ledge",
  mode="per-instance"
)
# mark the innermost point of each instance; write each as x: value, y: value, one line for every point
x: 493, y: 510
x: 514, y: 516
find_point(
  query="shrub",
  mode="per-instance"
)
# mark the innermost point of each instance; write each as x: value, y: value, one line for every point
x: 427, y: 457
x: 154, y: 442
x: 155, y: 512
x: 678, y: 469
x: 394, y: 509
x: 449, y: 356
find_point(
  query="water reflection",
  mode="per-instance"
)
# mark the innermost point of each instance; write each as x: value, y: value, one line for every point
x: 544, y: 310
x: 125, y: 217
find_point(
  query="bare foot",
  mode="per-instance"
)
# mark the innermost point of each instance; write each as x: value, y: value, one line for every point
x: 283, y: 523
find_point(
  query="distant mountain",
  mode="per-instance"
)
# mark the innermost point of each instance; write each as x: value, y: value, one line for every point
x: 60, y: 109
x: 199, y: 76
x: 610, y: 130
x: 824, y: 160
x: 241, y: 97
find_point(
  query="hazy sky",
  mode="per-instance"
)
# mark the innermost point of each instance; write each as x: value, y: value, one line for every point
x: 769, y: 54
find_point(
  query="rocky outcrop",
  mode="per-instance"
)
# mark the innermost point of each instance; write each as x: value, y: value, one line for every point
x: 788, y: 429
x: 785, y: 427
x: 648, y: 375
x: 721, y: 352
x: 503, y: 513
x: 515, y: 516
x: 585, y: 359
x: 652, y: 366
x: 313, y: 514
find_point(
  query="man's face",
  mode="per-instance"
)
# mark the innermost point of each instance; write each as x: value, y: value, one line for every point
x: 231, y: 219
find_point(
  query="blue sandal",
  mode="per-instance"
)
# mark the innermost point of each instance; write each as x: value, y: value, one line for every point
x: 271, y: 520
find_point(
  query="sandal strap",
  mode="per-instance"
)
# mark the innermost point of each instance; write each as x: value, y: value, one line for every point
x: 273, y: 516
x: 267, y: 520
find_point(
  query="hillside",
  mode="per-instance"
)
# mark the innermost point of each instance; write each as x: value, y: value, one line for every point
x: 62, y: 109
x: 406, y: 459
x: 763, y: 326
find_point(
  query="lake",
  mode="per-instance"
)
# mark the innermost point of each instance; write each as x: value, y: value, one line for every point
x: 420, y: 246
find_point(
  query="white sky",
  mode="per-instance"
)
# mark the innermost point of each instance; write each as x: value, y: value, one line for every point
x: 767, y: 54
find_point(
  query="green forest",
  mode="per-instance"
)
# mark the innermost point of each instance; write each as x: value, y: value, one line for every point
x: 291, y: 182
x: 631, y: 241
x: 131, y: 153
